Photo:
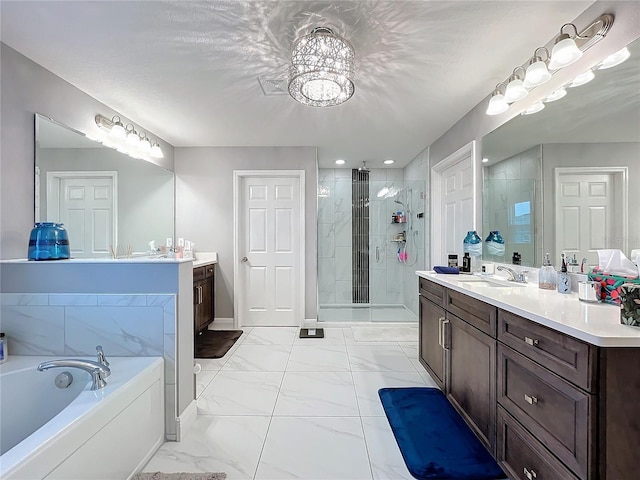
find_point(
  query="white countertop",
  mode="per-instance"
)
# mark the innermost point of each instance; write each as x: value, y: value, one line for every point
x: 205, y: 258
x: 138, y: 259
x: 595, y: 323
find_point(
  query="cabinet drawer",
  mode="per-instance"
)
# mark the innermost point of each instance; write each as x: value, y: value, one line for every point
x: 432, y: 291
x: 522, y: 457
x: 566, y: 356
x: 479, y: 314
x: 561, y: 416
x: 205, y: 271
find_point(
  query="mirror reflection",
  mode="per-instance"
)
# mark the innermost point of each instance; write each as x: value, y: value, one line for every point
x: 105, y: 199
x: 563, y: 180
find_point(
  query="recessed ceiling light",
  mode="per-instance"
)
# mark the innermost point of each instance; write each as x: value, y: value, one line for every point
x: 615, y: 59
x: 485, y: 160
x: 340, y: 162
x: 388, y: 162
x: 583, y: 78
x: 557, y: 95
x: 535, y: 108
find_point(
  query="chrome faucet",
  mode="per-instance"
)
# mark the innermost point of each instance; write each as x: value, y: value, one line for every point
x: 99, y: 370
x: 513, y: 276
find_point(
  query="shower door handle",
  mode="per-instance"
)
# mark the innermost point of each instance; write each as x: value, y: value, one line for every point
x: 377, y: 254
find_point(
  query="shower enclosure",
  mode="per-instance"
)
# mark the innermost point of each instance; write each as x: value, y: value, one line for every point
x: 370, y: 243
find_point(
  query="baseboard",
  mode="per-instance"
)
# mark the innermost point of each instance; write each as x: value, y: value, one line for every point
x: 184, y: 421
x: 222, y: 324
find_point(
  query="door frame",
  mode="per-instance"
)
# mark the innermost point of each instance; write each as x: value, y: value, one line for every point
x: 620, y: 174
x: 53, y: 193
x: 238, y: 176
x: 468, y: 150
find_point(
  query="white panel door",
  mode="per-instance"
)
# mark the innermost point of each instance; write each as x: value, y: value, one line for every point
x: 457, y: 205
x: 87, y: 209
x: 586, y: 215
x: 270, y: 217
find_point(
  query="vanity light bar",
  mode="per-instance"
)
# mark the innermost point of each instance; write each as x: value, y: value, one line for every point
x: 566, y: 50
x: 123, y: 140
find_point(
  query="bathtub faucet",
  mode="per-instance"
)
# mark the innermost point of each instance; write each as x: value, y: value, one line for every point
x: 97, y: 370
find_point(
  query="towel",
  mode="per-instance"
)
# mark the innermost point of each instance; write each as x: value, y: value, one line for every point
x: 449, y: 270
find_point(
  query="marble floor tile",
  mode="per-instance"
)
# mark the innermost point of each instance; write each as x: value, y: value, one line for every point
x: 307, y: 358
x: 384, y: 455
x: 203, y: 379
x: 394, y: 334
x: 263, y: 358
x: 271, y: 336
x: 317, y: 394
x: 410, y: 349
x: 240, y: 393
x: 215, y: 444
x: 378, y: 358
x: 424, y: 374
x: 332, y: 336
x: 368, y: 383
x: 314, y: 449
x: 213, y: 364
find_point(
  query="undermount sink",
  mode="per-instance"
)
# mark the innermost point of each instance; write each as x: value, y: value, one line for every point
x: 484, y: 282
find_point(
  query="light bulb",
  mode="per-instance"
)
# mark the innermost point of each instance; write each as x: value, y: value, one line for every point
x: 557, y: 95
x: 144, y: 145
x: 515, y: 91
x: 564, y: 53
x: 583, y: 78
x: 156, y: 151
x: 615, y: 59
x: 117, y: 130
x: 535, y: 108
x: 132, y: 138
x: 497, y: 104
x: 537, y: 74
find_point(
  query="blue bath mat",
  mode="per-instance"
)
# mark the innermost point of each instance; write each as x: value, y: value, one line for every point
x: 433, y: 439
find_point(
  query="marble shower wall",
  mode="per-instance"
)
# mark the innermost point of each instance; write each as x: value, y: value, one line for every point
x: 334, y: 236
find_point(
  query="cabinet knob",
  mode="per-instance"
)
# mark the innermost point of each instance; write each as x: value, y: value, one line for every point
x: 530, y: 399
x: 530, y: 474
x: 531, y: 341
x: 244, y: 259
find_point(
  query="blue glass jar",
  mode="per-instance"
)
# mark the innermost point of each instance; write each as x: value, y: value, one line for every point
x: 48, y: 241
x: 495, y: 244
x: 472, y: 244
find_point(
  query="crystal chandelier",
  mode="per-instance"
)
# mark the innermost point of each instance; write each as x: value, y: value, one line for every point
x: 322, y: 69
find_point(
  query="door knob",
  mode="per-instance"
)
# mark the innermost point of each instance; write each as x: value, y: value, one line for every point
x: 244, y: 259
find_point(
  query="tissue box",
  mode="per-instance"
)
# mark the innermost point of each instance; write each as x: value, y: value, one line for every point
x: 610, y: 291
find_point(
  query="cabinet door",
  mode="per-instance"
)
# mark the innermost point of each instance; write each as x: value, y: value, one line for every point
x: 471, y: 378
x: 203, y: 304
x: 432, y: 355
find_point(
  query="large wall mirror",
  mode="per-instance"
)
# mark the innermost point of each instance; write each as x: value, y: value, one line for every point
x: 565, y: 179
x: 106, y: 200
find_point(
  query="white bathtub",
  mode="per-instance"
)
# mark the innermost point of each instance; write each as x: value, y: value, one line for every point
x: 76, y: 433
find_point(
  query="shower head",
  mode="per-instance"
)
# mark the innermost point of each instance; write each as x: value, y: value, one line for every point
x: 398, y: 201
x: 363, y: 168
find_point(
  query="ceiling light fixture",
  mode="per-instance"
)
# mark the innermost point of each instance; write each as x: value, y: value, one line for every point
x: 615, y: 59
x: 340, y: 162
x: 583, y: 78
x: 515, y: 88
x: 556, y: 95
x: 485, y: 160
x: 497, y: 103
x: 388, y: 162
x: 322, y: 69
x: 566, y: 50
x: 537, y: 72
x: 129, y: 142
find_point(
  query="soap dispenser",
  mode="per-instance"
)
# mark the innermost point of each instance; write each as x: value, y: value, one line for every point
x: 564, y: 282
x: 547, y: 276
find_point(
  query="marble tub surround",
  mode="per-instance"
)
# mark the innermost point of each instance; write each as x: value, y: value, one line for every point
x: 597, y: 324
x: 315, y: 416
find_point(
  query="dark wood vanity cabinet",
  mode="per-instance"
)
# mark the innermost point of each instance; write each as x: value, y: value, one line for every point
x: 203, y: 296
x: 545, y: 404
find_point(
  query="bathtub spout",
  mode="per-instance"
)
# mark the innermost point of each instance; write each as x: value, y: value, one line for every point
x: 98, y: 371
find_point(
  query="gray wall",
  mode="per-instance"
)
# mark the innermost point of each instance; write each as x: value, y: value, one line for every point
x: 204, y: 207
x: 26, y: 89
x: 145, y: 191
x: 590, y: 155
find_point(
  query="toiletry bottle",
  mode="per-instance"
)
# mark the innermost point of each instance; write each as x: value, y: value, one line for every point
x: 564, y: 282
x: 3, y: 348
x: 547, y: 276
x: 466, y: 263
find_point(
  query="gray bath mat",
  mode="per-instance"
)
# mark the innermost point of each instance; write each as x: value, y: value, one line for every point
x: 178, y: 476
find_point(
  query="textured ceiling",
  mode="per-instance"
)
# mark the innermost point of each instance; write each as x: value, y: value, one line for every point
x: 187, y: 71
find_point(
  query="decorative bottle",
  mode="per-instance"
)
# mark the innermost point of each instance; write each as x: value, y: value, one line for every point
x: 547, y: 277
x: 495, y: 244
x: 564, y: 282
x: 472, y: 244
